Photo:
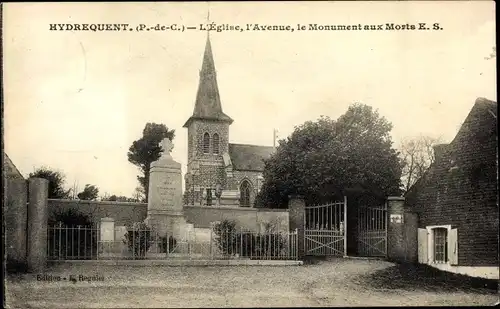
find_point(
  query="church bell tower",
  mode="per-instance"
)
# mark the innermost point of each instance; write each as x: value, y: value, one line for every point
x: 208, y: 135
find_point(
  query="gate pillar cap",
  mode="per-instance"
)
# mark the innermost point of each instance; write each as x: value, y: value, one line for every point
x: 396, y: 198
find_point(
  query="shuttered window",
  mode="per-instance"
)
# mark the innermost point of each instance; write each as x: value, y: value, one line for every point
x: 440, y: 245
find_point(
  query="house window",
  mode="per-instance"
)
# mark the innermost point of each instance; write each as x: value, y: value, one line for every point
x: 245, y: 194
x: 215, y: 143
x: 440, y: 245
x: 206, y: 143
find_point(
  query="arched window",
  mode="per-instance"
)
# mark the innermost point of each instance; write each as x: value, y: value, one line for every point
x: 245, y: 194
x: 206, y: 143
x: 440, y: 245
x: 215, y: 143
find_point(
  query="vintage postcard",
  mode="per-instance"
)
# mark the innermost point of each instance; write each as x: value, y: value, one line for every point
x: 250, y: 154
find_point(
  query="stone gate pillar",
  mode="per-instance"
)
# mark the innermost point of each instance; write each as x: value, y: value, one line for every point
x: 297, y: 212
x: 38, y: 191
x: 395, y: 229
x: 16, y: 224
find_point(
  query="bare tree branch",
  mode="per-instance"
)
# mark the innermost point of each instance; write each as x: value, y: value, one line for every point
x: 417, y: 154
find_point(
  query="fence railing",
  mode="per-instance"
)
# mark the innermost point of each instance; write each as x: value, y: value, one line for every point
x: 93, y: 242
x: 72, y: 242
x: 257, y: 246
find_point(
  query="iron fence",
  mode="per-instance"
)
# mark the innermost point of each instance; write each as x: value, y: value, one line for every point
x: 93, y: 243
x: 255, y: 246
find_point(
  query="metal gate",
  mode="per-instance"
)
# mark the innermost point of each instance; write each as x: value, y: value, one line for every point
x: 372, y: 231
x: 325, y: 227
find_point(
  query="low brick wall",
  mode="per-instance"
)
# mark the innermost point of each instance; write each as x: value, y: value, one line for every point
x: 246, y: 218
x: 124, y: 213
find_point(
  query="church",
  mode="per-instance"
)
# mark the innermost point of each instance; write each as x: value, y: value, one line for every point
x: 218, y: 172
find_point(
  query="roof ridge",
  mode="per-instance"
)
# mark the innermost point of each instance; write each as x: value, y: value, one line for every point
x: 239, y: 144
x: 481, y: 100
x: 9, y: 160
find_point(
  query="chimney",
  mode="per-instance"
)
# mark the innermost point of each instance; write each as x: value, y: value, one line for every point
x: 439, y: 151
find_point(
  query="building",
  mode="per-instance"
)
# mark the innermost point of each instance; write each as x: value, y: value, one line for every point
x: 214, y: 164
x: 11, y: 171
x: 457, y: 199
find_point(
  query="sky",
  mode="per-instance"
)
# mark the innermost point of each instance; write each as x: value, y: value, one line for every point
x: 75, y: 101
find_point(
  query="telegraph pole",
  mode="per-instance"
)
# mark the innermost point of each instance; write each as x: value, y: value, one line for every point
x: 275, y: 136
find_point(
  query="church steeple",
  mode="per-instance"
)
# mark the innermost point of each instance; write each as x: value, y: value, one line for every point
x: 207, y: 105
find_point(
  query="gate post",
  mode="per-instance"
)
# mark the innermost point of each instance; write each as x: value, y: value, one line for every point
x: 297, y: 211
x: 16, y: 224
x: 345, y: 226
x: 395, y: 229
x: 38, y: 191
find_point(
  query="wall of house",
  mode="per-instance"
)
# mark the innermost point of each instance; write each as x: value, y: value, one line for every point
x: 124, y: 213
x: 410, y: 236
x: 460, y: 190
x: 488, y: 272
x: 246, y: 218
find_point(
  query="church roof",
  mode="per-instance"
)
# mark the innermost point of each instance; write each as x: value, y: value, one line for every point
x: 208, y: 105
x: 249, y: 157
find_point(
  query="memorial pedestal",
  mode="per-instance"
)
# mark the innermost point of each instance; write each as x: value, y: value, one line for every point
x: 165, y: 211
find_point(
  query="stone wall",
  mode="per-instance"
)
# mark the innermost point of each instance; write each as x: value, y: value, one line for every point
x: 123, y: 213
x: 209, y: 166
x: 251, y: 176
x: 26, y: 214
x: 201, y: 216
x: 246, y: 218
x: 402, y: 232
x: 195, y: 137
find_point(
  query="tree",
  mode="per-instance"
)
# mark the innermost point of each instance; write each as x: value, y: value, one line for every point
x: 90, y: 193
x: 493, y: 54
x: 417, y: 154
x: 147, y: 149
x: 326, y: 159
x: 56, y: 182
x: 120, y: 198
x: 139, y: 195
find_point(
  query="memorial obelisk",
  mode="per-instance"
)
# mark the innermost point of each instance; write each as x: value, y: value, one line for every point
x: 165, y: 194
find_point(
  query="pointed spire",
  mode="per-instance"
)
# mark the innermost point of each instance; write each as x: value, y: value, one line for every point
x: 208, y: 105
x: 208, y: 65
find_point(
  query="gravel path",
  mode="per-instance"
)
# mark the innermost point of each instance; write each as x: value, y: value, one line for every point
x: 339, y: 282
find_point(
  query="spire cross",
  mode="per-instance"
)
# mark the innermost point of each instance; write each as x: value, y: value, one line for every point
x: 208, y: 19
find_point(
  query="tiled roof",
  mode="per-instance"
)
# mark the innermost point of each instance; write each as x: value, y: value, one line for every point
x: 484, y: 110
x: 482, y: 114
x: 249, y: 157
